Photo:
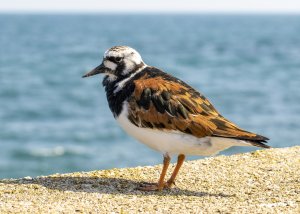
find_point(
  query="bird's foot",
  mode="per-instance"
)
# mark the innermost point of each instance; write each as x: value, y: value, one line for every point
x: 145, y: 186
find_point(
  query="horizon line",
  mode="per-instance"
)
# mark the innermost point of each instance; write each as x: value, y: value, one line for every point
x: 75, y: 12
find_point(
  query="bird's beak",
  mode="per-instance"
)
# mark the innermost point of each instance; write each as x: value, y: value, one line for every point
x: 98, y: 70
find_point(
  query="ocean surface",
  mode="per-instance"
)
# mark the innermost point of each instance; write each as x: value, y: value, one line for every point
x: 53, y: 121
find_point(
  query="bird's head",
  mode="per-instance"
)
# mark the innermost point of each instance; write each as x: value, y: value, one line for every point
x: 118, y: 61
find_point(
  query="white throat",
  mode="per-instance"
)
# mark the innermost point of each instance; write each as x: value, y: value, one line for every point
x: 111, y: 77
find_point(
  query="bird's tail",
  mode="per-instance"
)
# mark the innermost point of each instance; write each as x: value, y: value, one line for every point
x: 234, y: 132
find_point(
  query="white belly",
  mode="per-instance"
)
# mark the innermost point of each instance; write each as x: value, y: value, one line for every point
x: 176, y: 142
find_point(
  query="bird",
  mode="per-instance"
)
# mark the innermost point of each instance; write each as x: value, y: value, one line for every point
x: 165, y: 113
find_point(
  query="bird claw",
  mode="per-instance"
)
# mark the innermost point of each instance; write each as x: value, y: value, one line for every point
x: 170, y: 183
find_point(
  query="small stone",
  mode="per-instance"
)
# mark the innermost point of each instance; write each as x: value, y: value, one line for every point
x: 27, y: 178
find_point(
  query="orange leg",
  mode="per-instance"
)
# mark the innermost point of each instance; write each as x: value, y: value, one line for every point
x: 161, y: 182
x: 180, y: 161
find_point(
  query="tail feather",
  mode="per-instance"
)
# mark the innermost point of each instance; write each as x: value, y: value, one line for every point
x: 228, y: 129
x: 256, y: 140
x: 259, y: 141
x: 253, y: 139
x: 259, y: 144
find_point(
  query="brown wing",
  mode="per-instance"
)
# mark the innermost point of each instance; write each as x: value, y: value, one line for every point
x: 165, y: 102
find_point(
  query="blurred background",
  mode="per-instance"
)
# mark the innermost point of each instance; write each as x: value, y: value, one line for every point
x: 243, y: 55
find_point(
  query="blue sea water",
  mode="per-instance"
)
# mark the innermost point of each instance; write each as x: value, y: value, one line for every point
x: 52, y: 120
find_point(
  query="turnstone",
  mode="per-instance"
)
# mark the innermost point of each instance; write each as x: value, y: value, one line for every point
x: 165, y: 113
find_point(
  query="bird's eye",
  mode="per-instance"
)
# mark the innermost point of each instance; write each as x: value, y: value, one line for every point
x: 115, y: 59
x: 118, y: 59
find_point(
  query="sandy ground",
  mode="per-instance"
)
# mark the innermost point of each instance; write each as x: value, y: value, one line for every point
x: 266, y: 181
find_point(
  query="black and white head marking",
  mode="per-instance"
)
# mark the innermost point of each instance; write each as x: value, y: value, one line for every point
x: 121, y: 61
x: 120, y: 65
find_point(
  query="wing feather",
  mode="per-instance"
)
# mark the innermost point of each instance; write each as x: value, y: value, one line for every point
x: 162, y: 101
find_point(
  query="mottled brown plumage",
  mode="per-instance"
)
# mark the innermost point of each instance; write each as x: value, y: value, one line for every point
x: 164, y: 102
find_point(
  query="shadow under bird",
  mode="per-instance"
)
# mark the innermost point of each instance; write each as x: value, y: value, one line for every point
x: 165, y: 113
